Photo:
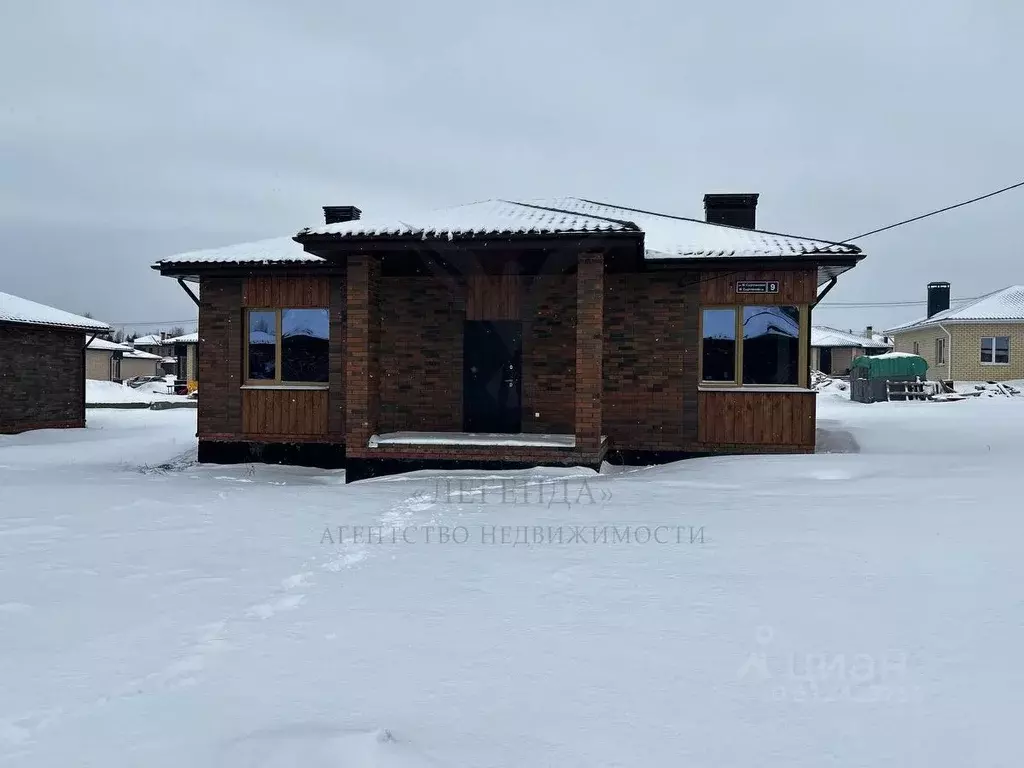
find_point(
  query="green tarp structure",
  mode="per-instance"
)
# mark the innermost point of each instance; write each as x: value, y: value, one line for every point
x: 892, y: 365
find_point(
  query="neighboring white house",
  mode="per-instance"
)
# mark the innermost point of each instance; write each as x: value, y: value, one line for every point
x: 833, y: 351
x: 109, y: 361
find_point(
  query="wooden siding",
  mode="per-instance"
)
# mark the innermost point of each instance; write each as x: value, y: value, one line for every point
x: 286, y: 292
x: 493, y: 297
x: 796, y: 286
x: 284, y: 412
x: 756, y: 418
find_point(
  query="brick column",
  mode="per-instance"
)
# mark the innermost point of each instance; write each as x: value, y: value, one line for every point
x: 589, y: 349
x: 362, y: 337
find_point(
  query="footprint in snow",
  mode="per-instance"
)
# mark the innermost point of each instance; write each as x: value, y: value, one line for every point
x: 298, y: 580
x: 266, y: 610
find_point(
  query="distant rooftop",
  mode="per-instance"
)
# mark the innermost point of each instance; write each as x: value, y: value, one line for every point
x: 823, y: 336
x: 1004, y: 305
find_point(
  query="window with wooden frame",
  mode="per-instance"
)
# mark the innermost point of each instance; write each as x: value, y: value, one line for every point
x: 940, y: 351
x: 754, y: 345
x: 287, y: 346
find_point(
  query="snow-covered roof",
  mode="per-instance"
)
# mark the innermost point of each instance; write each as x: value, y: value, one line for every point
x: 14, y: 309
x: 670, y: 237
x: 188, y: 338
x: 274, y: 251
x: 665, y: 236
x: 823, y: 336
x: 106, y: 346
x: 138, y: 354
x: 1005, y: 305
x: 149, y: 341
x: 487, y: 217
x: 125, y: 350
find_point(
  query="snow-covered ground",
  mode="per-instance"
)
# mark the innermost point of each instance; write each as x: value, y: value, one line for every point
x: 110, y: 392
x: 857, y: 609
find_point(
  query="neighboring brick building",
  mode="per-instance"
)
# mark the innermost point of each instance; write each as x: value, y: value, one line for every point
x: 558, y: 331
x: 833, y: 351
x: 42, y: 365
x: 983, y: 340
x: 186, y: 357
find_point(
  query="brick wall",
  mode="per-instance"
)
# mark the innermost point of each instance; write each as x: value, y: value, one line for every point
x: 549, y: 354
x: 967, y: 365
x: 925, y: 339
x: 589, y: 344
x: 965, y: 355
x: 650, y: 360
x: 336, y: 371
x: 362, y: 358
x: 421, y: 322
x: 220, y: 359
x: 42, y: 379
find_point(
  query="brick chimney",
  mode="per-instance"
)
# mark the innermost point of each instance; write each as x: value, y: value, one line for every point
x: 938, y: 298
x: 337, y: 214
x: 738, y: 210
x: 869, y: 332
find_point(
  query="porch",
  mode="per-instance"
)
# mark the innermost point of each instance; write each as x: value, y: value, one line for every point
x: 389, y: 453
x: 485, y: 364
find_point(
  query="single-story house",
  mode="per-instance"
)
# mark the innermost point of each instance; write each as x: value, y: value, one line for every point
x: 155, y: 344
x: 42, y: 365
x: 833, y: 351
x: 500, y: 334
x: 983, y: 340
x: 108, y: 361
x: 186, y: 357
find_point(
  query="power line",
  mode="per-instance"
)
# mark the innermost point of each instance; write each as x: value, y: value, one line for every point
x: 835, y: 305
x: 935, y: 212
x: 889, y: 303
x: 190, y: 321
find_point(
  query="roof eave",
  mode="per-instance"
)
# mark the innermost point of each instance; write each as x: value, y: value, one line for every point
x: 955, y: 321
x: 99, y: 328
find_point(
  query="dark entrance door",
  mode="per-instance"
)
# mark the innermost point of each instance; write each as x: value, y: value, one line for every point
x: 492, y: 376
x: 825, y: 359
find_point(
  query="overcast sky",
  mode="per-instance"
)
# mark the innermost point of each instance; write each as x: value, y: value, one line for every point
x: 131, y: 130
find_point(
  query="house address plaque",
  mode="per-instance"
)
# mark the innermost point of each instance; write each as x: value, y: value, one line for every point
x: 757, y: 286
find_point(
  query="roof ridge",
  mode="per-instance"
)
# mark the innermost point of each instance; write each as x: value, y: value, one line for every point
x: 630, y: 224
x: 854, y: 248
x: 948, y: 313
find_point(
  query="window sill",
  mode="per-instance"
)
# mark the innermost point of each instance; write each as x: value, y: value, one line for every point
x: 996, y: 365
x: 314, y: 387
x: 779, y: 389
